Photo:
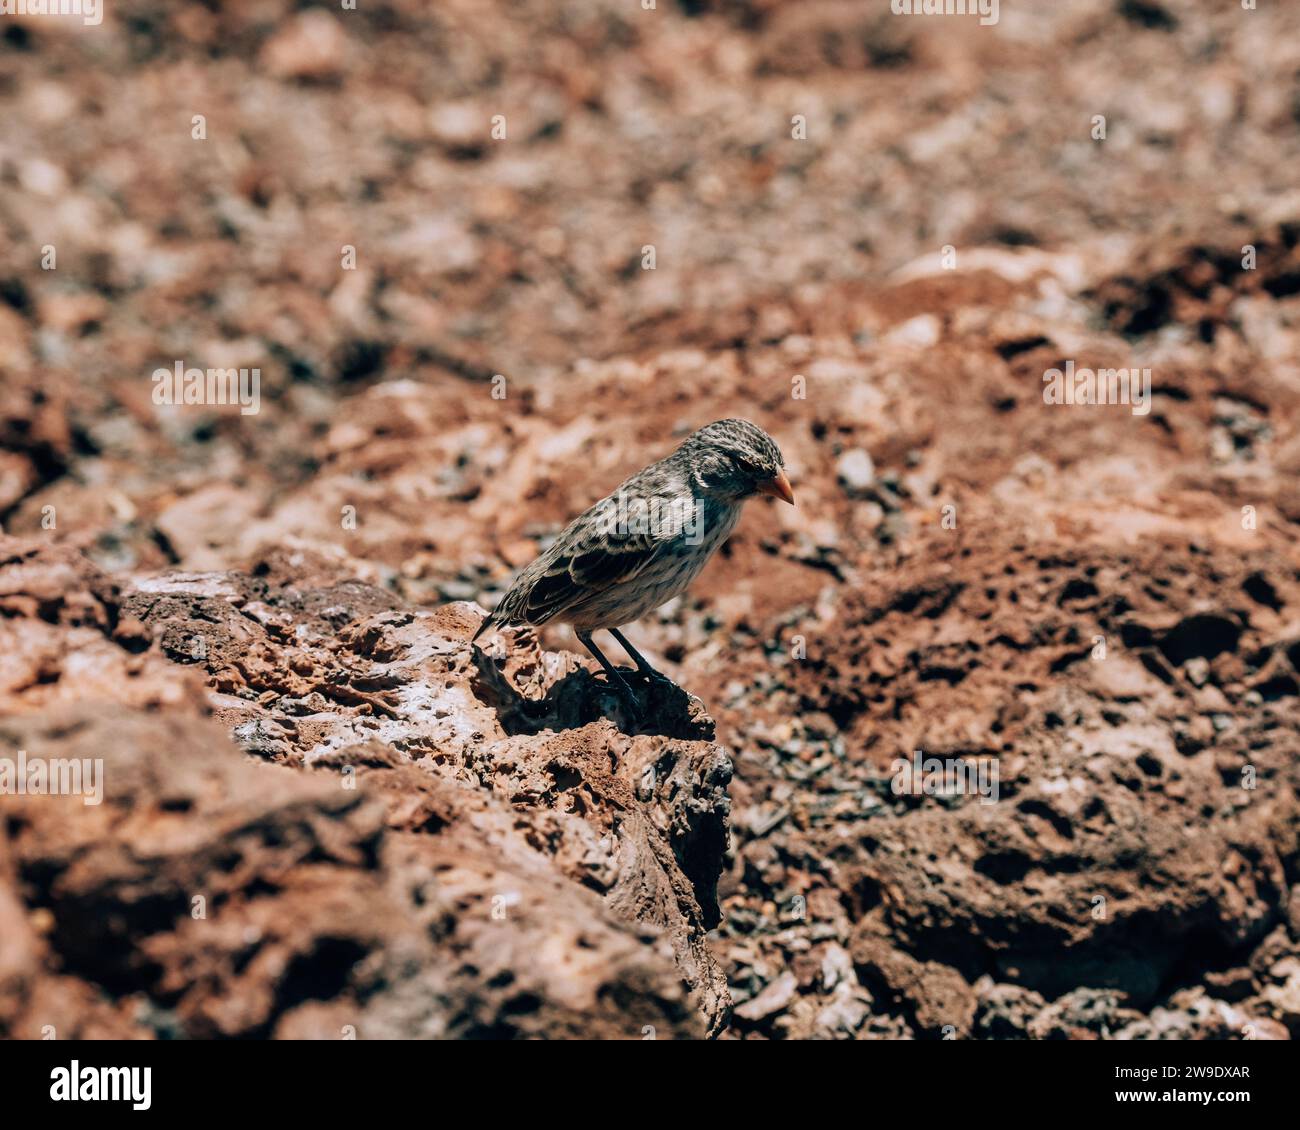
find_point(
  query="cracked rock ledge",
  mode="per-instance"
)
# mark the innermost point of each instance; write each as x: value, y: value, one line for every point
x: 324, y: 815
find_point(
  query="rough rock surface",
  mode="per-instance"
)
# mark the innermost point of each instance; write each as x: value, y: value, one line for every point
x: 1106, y: 605
x: 414, y: 858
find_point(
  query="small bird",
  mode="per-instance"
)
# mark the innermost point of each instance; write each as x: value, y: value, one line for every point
x: 645, y: 543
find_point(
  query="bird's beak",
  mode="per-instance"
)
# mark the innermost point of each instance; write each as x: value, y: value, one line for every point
x: 778, y: 487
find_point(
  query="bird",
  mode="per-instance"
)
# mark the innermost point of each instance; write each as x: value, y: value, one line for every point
x: 645, y: 543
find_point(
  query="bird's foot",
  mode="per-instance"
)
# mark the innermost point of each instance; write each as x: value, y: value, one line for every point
x: 654, y: 676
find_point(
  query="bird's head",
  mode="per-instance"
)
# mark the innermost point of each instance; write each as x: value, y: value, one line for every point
x: 735, y: 460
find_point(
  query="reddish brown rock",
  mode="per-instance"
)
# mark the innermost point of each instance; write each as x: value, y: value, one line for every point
x: 463, y: 344
x: 425, y: 861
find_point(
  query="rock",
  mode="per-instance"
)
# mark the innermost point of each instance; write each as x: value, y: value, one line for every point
x: 460, y: 125
x: 63, y: 639
x: 493, y: 259
x: 1081, y: 1014
x: 1005, y: 1012
x: 1263, y: 1028
x: 1081, y: 874
x: 849, y: 1007
x: 1281, y: 998
x: 933, y: 997
x: 1230, y: 984
x: 17, y: 477
x: 774, y: 998
x: 311, y: 45
x: 425, y: 860
x: 1293, y: 912
x: 856, y: 472
x: 920, y: 332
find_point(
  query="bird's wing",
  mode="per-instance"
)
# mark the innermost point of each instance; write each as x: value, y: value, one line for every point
x: 596, y: 552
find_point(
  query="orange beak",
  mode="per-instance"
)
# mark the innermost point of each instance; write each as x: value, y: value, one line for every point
x: 778, y: 487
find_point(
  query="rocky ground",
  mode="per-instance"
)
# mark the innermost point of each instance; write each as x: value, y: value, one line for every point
x: 324, y: 813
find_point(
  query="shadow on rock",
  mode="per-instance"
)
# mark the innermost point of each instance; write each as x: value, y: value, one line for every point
x: 580, y: 698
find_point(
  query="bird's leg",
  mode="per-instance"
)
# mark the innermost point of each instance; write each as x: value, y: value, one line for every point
x: 637, y: 657
x: 616, y: 680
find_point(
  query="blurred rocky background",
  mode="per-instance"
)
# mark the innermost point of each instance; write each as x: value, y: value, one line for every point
x: 871, y: 234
